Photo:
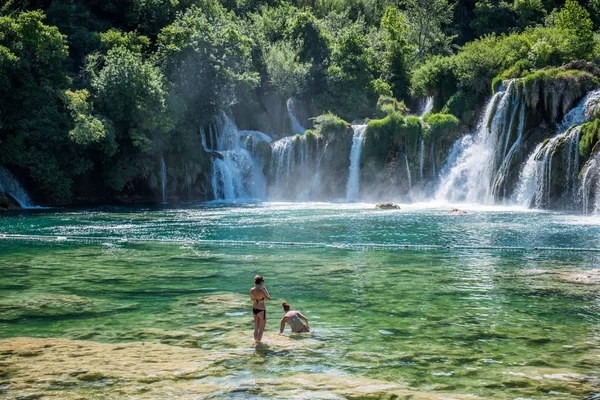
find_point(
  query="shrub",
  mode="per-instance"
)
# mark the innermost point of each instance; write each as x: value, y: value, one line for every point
x: 461, y: 105
x: 387, y: 105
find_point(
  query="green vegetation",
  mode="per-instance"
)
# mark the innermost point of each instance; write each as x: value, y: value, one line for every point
x: 556, y: 91
x: 384, y: 137
x: 590, y: 135
x: 94, y: 94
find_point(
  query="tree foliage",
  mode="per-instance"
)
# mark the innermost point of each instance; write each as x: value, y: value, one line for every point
x: 94, y: 93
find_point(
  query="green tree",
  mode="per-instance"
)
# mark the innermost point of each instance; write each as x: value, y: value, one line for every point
x: 130, y: 93
x: 426, y: 21
x: 576, y: 19
x: 208, y: 61
x: 33, y: 121
x: 397, y: 52
x: 493, y: 16
x: 529, y: 12
x: 350, y: 88
x: 286, y: 74
x: 312, y: 42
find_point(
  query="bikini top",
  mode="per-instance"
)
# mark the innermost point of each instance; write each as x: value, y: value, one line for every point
x: 293, y: 321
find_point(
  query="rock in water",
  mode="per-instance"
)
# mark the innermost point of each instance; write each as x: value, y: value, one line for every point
x: 386, y: 205
x: 456, y: 211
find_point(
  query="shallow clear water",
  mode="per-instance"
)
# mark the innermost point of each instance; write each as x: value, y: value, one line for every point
x: 466, y: 320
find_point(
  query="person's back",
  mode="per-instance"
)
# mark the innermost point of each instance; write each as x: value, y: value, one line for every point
x: 258, y: 295
x: 294, y: 319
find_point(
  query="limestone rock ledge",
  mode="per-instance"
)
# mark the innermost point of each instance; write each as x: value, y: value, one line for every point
x: 69, y: 369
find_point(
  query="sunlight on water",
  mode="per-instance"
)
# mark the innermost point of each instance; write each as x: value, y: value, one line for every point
x: 435, y: 323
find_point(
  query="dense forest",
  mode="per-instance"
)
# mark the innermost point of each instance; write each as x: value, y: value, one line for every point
x: 93, y: 94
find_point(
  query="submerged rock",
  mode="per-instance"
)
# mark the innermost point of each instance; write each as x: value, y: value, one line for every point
x: 386, y: 205
x: 74, y: 369
x: 456, y: 211
x: 55, y: 305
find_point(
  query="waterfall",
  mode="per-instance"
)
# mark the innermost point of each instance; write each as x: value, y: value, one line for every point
x: 203, y: 140
x: 163, y: 179
x: 237, y: 171
x: 590, y: 185
x: 482, y: 164
x: 535, y: 181
x: 572, y: 163
x: 295, y: 168
x: 12, y: 187
x: 499, y: 186
x: 408, y: 175
x: 281, y: 157
x: 432, y: 156
x: 295, y: 125
x: 427, y: 108
x: 353, y: 185
x: 421, y: 157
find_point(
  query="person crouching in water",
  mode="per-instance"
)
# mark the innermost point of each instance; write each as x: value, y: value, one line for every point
x: 293, y: 318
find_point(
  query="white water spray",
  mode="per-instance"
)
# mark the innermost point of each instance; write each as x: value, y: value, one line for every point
x: 12, y: 187
x: 295, y: 124
x: 237, y: 172
x: 535, y: 181
x: 427, y: 108
x: 590, y: 185
x: 353, y: 185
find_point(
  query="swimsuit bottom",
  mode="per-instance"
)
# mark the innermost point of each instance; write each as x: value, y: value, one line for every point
x: 294, y: 328
x: 256, y: 311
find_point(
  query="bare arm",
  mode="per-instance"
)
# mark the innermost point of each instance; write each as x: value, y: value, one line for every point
x: 302, y: 317
x: 281, y: 326
x: 266, y: 293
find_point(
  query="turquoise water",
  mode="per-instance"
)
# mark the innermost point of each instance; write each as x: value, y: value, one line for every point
x: 480, y: 321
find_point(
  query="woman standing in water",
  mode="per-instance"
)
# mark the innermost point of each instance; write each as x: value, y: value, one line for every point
x: 258, y: 295
x: 292, y: 318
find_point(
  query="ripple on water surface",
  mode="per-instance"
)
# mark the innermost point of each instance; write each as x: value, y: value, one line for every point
x: 428, y: 323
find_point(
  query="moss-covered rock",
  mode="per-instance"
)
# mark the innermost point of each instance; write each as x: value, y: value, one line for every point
x: 440, y: 133
x: 386, y: 136
x: 329, y: 125
x: 590, y: 135
x: 555, y: 91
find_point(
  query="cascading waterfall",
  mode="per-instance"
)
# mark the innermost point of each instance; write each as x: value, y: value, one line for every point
x: 432, y: 156
x: 505, y: 159
x: 237, y: 172
x: 295, y: 125
x: 421, y: 157
x: 353, y: 185
x: 163, y: 179
x: 408, y: 175
x: 481, y: 164
x: 427, y: 108
x: 295, y: 168
x: 572, y: 163
x: 590, y: 185
x: 12, y: 187
x: 535, y: 181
